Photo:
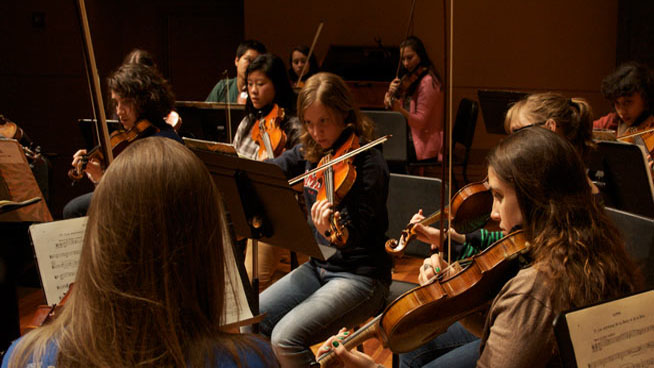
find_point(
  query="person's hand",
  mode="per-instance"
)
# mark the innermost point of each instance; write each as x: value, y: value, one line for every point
x: 320, y: 215
x: 345, y: 358
x: 431, y: 267
x: 431, y: 235
x: 395, y: 84
x: 93, y: 168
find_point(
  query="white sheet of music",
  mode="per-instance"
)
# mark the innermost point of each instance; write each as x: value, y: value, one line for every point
x: 614, y: 334
x: 236, y: 304
x: 57, y: 246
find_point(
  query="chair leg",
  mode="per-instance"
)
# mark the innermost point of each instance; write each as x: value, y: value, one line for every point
x: 396, y: 361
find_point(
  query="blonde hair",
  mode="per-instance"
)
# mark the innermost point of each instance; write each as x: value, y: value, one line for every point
x: 573, y: 117
x: 331, y: 91
x: 150, y: 284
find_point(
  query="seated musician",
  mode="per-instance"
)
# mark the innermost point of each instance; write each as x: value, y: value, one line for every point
x: 631, y: 92
x: 149, y: 290
x: 297, y: 60
x: 418, y: 96
x: 246, y: 52
x: 139, y: 93
x: 139, y: 56
x: 270, y: 97
x: 313, y: 301
x: 576, y: 258
x: 569, y: 117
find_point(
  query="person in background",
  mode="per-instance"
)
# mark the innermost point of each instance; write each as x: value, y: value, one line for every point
x: 297, y: 60
x: 268, y: 91
x: 246, y: 52
x: 630, y: 89
x: 150, y: 287
x: 139, y: 56
x: 418, y: 95
x: 139, y: 93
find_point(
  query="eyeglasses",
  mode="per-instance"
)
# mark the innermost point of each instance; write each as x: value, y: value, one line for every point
x: 529, y: 126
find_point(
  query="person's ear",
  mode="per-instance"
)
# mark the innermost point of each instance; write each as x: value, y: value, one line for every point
x: 236, y: 61
x: 550, y: 124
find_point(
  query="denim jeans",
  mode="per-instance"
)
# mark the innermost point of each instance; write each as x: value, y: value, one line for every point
x: 456, y: 348
x: 311, y: 304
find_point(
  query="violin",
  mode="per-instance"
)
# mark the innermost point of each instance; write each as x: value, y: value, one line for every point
x: 421, y: 314
x: 407, y: 81
x: 336, y: 182
x: 46, y: 313
x: 470, y: 210
x: 119, y: 140
x: 269, y: 135
x: 643, y: 135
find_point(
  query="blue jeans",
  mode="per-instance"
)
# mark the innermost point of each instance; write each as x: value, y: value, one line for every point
x: 311, y: 304
x: 78, y: 206
x: 456, y: 348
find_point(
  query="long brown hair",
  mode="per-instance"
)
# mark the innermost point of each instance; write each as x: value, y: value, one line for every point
x: 574, y: 244
x: 573, y: 117
x: 150, y: 284
x: 331, y: 91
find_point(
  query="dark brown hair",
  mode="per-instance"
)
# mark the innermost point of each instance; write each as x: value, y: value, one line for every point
x: 152, y: 95
x: 573, y: 242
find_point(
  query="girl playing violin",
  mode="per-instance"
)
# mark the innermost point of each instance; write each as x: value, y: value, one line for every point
x: 576, y: 258
x: 631, y: 91
x: 139, y: 94
x: 297, y: 60
x: 310, y: 303
x: 570, y: 118
x: 270, y: 97
x: 419, y: 97
x: 268, y: 90
x: 149, y: 289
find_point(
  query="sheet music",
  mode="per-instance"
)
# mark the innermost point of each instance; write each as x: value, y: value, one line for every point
x: 236, y: 304
x: 57, y: 246
x: 618, y: 333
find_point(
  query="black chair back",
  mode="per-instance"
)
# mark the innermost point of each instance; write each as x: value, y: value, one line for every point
x: 407, y: 194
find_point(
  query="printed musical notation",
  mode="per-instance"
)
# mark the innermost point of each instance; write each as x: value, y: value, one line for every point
x: 58, y: 246
x: 618, y: 333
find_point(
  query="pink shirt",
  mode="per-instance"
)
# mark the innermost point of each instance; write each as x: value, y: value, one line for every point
x: 426, y: 118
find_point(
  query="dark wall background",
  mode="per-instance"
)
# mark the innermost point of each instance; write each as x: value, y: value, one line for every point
x: 43, y: 85
x: 635, y: 32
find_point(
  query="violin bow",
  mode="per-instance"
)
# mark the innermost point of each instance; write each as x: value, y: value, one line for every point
x: 228, y: 112
x: 94, y: 84
x: 448, y: 128
x: 313, y: 44
x: 406, y: 35
x: 333, y: 162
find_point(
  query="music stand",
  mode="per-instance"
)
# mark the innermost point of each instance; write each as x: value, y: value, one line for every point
x: 262, y: 206
x: 494, y: 105
x: 621, y: 173
x: 208, y: 120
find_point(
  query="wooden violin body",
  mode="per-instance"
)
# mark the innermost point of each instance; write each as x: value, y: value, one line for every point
x: 46, y: 313
x: 336, y: 182
x: 421, y: 314
x: 470, y: 210
x: 269, y: 135
x: 119, y: 140
x: 407, y: 80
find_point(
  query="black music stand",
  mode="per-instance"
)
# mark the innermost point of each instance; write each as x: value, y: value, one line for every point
x: 208, y: 120
x: 262, y: 206
x: 494, y: 105
x: 623, y: 176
